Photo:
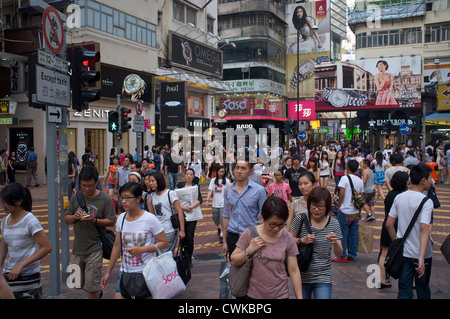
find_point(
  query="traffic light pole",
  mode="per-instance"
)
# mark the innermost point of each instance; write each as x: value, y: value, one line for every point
x: 118, y: 134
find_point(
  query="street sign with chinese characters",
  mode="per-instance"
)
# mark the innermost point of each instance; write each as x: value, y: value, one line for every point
x: 52, y: 87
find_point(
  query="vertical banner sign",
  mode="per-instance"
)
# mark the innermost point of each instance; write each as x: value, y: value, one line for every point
x: 173, y: 106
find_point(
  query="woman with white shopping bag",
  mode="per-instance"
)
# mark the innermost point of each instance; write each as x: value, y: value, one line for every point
x: 136, y: 233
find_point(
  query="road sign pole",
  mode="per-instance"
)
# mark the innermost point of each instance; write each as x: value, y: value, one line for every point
x: 53, y: 218
x: 65, y: 190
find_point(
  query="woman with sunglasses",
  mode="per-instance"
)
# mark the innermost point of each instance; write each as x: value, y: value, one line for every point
x: 270, y: 251
x: 326, y: 235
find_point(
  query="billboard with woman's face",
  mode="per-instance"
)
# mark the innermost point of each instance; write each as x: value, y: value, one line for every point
x: 308, y: 41
x: 383, y: 83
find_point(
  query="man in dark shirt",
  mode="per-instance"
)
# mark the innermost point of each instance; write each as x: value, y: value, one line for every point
x: 292, y: 175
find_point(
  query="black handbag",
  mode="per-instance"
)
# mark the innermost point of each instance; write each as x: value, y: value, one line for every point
x: 183, y: 268
x: 394, y: 257
x: 432, y: 195
x: 305, y: 252
x: 445, y: 248
x: 174, y: 217
x: 107, y: 238
x: 132, y: 284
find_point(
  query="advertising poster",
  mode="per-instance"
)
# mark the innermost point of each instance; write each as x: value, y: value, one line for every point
x: 311, y: 23
x: 173, y: 106
x: 195, y: 105
x: 382, y: 83
x: 433, y: 73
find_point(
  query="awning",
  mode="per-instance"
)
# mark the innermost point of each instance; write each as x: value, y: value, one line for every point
x: 438, y: 118
x: 193, y: 80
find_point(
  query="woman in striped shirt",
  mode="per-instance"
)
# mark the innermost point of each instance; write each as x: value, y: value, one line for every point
x: 326, y: 235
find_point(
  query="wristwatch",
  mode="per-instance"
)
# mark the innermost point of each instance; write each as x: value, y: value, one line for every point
x: 341, y: 97
x: 246, y: 253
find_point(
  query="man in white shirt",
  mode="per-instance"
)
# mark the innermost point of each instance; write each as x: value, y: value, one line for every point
x: 348, y: 215
x: 417, y: 250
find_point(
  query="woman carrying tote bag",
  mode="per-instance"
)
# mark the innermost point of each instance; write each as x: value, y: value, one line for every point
x: 136, y: 231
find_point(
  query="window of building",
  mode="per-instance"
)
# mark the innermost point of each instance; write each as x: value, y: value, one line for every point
x: 210, y: 25
x: 178, y: 11
x: 191, y: 16
x: 437, y: 33
x: 115, y: 22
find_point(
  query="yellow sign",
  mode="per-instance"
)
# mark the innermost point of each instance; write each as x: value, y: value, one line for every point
x: 443, y: 97
x: 315, y: 125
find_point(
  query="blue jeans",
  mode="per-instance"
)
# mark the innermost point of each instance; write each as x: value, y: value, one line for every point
x: 349, y: 228
x: 173, y: 178
x: 320, y: 291
x: 409, y: 275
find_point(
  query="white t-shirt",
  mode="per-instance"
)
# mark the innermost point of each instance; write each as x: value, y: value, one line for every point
x: 21, y: 243
x: 347, y: 206
x: 218, y: 192
x: 377, y: 167
x: 140, y: 232
x: 326, y: 170
x: 163, y: 210
x: 403, y: 208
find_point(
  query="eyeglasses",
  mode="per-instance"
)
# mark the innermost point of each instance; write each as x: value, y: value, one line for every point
x: 272, y: 225
x: 126, y: 198
x: 314, y: 206
x: 88, y: 186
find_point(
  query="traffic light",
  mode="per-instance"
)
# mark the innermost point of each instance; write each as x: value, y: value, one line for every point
x: 83, y: 78
x: 113, y: 121
x: 286, y: 127
x: 124, y: 119
x: 292, y: 128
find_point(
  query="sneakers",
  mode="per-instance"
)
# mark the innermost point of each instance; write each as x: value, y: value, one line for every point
x: 343, y: 259
x: 339, y: 260
x: 369, y: 218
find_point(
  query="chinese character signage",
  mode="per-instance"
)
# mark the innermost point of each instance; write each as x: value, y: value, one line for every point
x: 305, y: 111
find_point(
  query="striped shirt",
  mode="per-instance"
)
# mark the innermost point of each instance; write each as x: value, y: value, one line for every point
x: 21, y: 243
x: 319, y: 270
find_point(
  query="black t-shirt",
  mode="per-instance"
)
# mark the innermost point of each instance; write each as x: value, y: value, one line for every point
x: 292, y: 175
x: 293, y: 150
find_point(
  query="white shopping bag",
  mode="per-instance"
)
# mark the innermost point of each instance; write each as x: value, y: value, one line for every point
x: 162, y: 277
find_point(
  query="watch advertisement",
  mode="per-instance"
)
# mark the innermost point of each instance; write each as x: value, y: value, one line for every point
x: 20, y: 141
x: 194, y: 56
x: 309, y: 42
x: 382, y: 83
x: 173, y: 106
x: 131, y: 84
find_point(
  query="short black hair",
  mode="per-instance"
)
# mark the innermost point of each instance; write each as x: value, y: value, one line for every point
x: 275, y: 206
x: 317, y: 195
x: 399, y: 181
x: 352, y: 165
x: 87, y: 173
x: 14, y: 192
x: 418, y: 172
x: 132, y: 187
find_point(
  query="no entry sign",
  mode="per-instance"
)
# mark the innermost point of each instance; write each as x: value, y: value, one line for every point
x: 52, y: 28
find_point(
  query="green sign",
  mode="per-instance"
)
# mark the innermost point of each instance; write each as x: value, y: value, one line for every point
x: 9, y: 120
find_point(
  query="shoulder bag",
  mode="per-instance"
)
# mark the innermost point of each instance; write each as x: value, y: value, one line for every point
x: 174, y: 217
x: 394, y: 257
x: 239, y: 276
x: 132, y: 284
x: 107, y: 237
x: 305, y: 252
x: 357, y: 200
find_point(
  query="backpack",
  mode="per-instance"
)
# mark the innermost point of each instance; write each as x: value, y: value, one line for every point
x: 156, y: 158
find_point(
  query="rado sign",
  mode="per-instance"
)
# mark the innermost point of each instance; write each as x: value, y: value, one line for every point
x: 194, y: 56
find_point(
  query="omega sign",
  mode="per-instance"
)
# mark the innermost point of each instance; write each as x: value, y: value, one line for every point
x: 194, y: 56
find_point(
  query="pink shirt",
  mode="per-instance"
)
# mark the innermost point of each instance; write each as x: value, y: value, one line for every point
x: 268, y: 277
x: 280, y: 191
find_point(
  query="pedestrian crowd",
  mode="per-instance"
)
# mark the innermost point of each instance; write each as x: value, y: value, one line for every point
x: 270, y: 206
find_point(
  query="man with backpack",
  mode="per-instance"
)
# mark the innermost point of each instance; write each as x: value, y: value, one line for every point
x: 417, y: 250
